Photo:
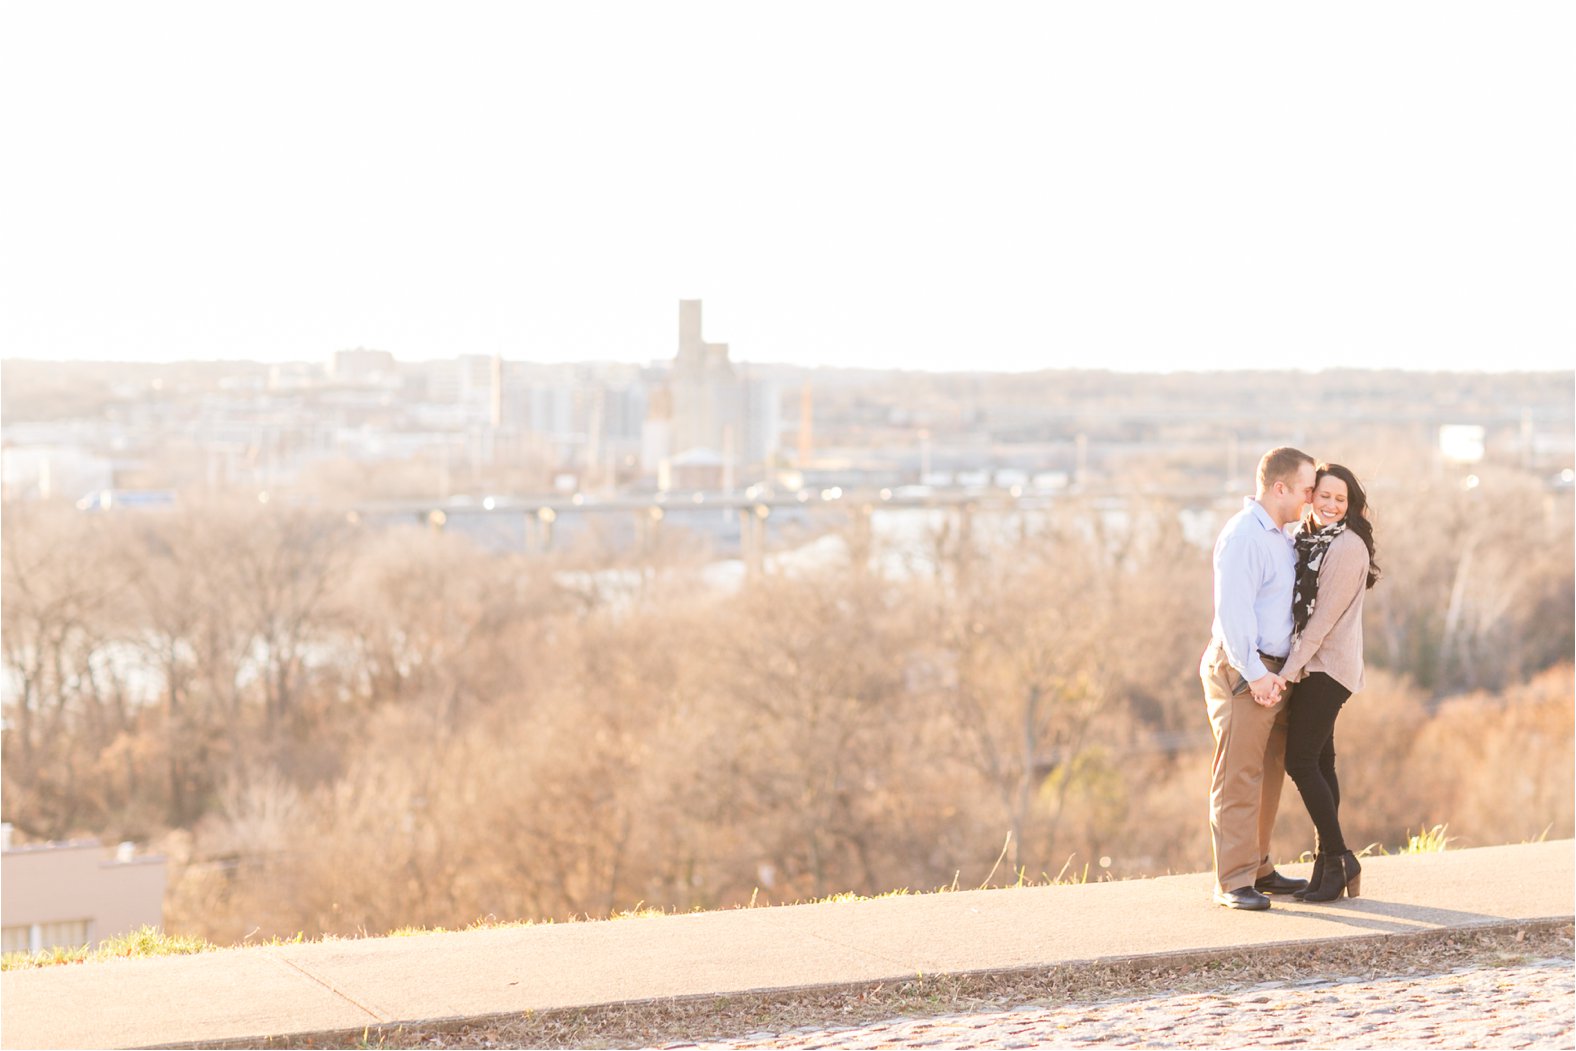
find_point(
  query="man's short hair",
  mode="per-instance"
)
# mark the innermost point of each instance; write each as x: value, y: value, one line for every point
x: 1279, y: 464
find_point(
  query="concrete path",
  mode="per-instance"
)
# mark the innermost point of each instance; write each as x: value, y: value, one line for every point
x: 254, y: 993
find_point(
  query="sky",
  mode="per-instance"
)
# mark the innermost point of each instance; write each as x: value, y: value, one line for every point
x: 966, y: 186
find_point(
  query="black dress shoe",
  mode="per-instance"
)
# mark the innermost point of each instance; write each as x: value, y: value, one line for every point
x: 1241, y: 898
x: 1275, y: 883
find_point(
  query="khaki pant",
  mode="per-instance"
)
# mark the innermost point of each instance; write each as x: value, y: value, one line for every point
x: 1248, y: 773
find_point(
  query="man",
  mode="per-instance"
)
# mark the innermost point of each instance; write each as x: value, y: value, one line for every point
x: 1255, y: 569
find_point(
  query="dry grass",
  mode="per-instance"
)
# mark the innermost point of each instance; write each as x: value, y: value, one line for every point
x: 145, y: 941
x: 712, y: 1018
x: 149, y: 941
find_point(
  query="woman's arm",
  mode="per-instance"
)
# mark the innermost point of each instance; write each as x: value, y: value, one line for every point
x: 1341, y: 579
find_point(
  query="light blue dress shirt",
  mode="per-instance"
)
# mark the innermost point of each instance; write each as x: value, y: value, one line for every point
x: 1255, y: 570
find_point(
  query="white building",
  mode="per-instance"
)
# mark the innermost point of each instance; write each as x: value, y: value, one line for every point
x: 64, y: 895
x: 49, y: 472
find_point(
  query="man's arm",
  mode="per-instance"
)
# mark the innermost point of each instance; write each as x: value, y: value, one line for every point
x: 1239, y: 571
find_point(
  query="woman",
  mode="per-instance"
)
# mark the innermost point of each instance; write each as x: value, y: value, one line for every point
x: 1335, y: 567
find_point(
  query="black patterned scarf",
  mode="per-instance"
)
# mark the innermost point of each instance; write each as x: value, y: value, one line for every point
x: 1312, y: 545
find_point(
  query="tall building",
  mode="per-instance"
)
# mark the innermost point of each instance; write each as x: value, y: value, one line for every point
x: 706, y: 410
x: 656, y: 434
x: 707, y: 400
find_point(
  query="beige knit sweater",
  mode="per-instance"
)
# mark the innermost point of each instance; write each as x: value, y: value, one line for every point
x: 1332, y: 640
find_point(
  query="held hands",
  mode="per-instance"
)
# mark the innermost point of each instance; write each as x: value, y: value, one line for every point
x: 1267, y: 689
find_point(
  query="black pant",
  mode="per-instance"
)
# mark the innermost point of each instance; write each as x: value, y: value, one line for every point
x: 1310, y: 754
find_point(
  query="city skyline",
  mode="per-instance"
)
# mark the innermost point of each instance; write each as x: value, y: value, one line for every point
x: 1024, y: 189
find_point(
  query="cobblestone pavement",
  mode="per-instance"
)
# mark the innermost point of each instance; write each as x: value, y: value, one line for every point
x: 1529, y: 1004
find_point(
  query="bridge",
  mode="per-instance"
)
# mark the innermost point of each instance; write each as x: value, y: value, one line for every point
x: 741, y: 518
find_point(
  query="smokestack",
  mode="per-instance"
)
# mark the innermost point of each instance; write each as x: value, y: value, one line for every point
x: 806, y: 424
x: 690, y: 348
x: 497, y: 390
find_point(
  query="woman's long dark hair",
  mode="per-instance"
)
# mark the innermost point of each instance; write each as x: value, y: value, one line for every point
x: 1357, y: 519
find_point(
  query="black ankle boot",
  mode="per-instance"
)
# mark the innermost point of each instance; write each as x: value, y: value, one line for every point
x: 1313, y: 878
x: 1341, y: 872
